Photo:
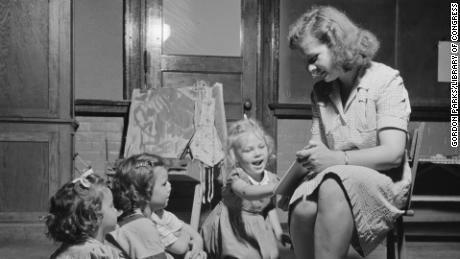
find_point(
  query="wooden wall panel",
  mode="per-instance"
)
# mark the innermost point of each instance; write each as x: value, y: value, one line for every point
x: 24, y: 54
x: 422, y: 25
x: 36, y: 111
x: 31, y: 169
x: 35, y: 54
x: 24, y: 185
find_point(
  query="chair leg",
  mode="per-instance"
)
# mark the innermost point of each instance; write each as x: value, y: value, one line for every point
x: 196, y: 209
x: 391, y: 245
x: 401, y: 239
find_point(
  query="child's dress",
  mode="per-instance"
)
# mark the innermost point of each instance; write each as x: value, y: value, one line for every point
x: 91, y: 249
x: 167, y: 225
x: 220, y: 240
x: 137, y: 238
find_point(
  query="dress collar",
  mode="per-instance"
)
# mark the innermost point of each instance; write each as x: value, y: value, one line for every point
x: 264, y: 180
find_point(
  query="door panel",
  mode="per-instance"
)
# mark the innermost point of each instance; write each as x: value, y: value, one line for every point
x: 30, y: 68
x: 36, y: 113
x: 231, y: 85
x: 27, y: 167
x: 238, y: 74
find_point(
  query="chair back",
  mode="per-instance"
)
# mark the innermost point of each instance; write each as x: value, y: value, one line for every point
x: 415, y: 141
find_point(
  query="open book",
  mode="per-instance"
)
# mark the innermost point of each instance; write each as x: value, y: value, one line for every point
x: 292, y: 178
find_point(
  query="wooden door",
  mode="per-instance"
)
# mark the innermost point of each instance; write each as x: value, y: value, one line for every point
x: 149, y: 67
x: 36, y: 117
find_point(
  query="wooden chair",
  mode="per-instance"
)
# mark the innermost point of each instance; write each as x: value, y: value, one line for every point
x: 397, y: 235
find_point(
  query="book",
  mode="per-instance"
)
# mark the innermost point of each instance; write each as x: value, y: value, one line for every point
x: 291, y: 179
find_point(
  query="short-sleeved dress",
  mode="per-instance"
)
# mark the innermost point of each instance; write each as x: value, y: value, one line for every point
x: 138, y: 238
x: 379, y: 101
x: 91, y: 249
x: 167, y: 225
x: 220, y: 240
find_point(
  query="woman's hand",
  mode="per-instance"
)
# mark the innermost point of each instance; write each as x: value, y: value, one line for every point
x: 317, y: 157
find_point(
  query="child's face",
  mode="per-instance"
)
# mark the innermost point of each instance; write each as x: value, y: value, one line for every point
x: 251, y: 152
x: 109, y: 213
x: 161, y: 189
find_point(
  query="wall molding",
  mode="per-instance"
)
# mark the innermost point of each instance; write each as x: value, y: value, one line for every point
x: 303, y: 111
x: 103, y: 108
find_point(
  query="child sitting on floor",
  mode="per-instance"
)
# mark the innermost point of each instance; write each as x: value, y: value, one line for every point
x: 81, y: 214
x: 245, y: 223
x: 178, y: 237
x: 132, y: 185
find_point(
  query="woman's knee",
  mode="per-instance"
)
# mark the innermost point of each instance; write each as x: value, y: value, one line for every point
x: 330, y: 189
x: 331, y: 196
x: 304, y: 210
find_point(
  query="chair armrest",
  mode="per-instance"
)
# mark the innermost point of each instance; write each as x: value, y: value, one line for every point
x: 409, y: 213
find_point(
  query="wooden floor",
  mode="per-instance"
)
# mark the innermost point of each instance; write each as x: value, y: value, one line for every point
x: 416, y: 250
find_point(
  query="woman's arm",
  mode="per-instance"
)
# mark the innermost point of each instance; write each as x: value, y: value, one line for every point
x: 252, y: 192
x: 388, y: 154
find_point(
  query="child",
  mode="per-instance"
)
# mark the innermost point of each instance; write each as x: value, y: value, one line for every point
x: 178, y: 238
x: 81, y: 213
x: 245, y: 223
x: 132, y: 185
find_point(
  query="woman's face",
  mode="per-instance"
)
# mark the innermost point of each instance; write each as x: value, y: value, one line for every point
x: 109, y: 213
x: 318, y: 59
x: 251, y: 152
x: 161, y: 189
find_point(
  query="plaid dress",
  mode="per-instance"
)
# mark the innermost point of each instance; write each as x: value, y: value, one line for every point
x: 379, y: 101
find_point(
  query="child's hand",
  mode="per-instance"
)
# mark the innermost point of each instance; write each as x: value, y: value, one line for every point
x: 196, y: 251
x: 195, y: 255
x: 285, y: 239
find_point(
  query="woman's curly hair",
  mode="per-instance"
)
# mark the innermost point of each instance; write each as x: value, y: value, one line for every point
x: 133, y: 182
x: 351, y: 46
x: 75, y: 210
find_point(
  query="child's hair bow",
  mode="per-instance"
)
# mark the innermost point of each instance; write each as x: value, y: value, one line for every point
x: 82, y: 179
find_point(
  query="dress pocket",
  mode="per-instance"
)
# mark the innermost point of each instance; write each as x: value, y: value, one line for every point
x: 366, y: 116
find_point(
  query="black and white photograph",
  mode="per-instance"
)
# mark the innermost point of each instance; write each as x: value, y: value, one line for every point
x: 229, y: 129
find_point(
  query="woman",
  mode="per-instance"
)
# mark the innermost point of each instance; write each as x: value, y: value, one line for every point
x: 359, y: 176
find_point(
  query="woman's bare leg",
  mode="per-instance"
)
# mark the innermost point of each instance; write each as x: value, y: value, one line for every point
x: 334, y: 224
x: 302, y: 223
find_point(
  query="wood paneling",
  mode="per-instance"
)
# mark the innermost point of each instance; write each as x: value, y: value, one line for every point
x: 422, y: 25
x: 250, y: 27
x: 153, y: 43
x: 31, y: 176
x: 303, y: 111
x: 34, y: 67
x: 29, y: 170
x: 133, y: 67
x: 36, y: 109
x: 23, y: 55
x: 201, y: 64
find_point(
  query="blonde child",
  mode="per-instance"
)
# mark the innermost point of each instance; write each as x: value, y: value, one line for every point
x: 132, y: 186
x: 81, y: 213
x: 177, y: 236
x: 245, y: 223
